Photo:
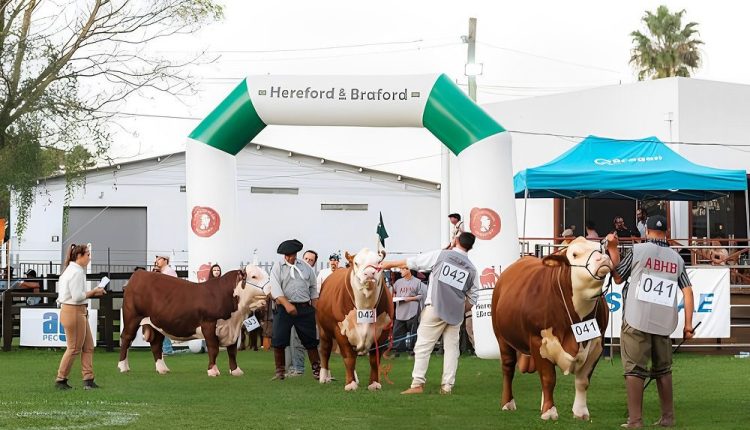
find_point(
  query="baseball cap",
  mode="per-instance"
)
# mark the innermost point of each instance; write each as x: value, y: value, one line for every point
x: 656, y: 222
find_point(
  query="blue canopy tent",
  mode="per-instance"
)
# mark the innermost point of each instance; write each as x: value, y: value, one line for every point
x: 644, y: 169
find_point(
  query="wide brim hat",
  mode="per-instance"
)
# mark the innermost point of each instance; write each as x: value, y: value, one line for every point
x: 291, y: 246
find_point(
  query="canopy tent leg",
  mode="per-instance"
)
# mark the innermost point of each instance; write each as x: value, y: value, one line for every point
x: 747, y: 216
x: 708, y: 219
x: 525, y: 202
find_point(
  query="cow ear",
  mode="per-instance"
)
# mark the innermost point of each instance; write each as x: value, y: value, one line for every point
x: 349, y: 257
x: 555, y: 260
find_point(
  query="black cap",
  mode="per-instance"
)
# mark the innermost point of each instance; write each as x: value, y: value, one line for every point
x: 291, y: 246
x: 456, y: 216
x: 334, y: 257
x: 656, y: 222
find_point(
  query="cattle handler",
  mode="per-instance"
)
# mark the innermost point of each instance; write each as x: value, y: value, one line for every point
x: 294, y: 289
x: 650, y: 316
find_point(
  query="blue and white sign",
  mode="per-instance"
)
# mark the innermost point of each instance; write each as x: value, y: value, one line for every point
x: 711, y: 296
x: 42, y: 327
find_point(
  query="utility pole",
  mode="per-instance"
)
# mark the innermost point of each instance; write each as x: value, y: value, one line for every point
x: 471, y: 41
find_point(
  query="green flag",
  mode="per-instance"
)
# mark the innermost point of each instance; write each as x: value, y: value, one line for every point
x: 381, y: 231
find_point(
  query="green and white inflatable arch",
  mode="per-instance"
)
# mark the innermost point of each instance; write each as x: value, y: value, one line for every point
x: 482, y: 147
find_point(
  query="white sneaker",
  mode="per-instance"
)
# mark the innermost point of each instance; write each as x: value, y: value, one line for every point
x: 293, y: 373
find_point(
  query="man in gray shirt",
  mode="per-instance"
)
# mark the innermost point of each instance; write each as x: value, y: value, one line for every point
x: 294, y: 289
x: 406, y: 295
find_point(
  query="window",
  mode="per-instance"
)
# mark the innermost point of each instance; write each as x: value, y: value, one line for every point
x: 274, y: 190
x: 343, y: 206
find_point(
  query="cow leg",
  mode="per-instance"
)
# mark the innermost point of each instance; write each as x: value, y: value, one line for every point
x: 548, y: 378
x: 129, y: 331
x: 583, y: 377
x: 212, y: 345
x: 156, y: 349
x: 350, y: 361
x: 508, y: 361
x: 374, y: 372
x: 234, y: 369
x: 325, y: 355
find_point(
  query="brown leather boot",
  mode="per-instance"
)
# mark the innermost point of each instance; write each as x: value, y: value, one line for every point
x: 419, y: 389
x: 634, y: 388
x: 279, y: 359
x: 314, y: 362
x: 664, y: 386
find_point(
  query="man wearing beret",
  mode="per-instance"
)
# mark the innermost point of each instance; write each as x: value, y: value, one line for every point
x: 294, y: 289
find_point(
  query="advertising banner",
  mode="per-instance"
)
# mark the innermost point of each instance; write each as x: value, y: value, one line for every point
x: 42, y: 327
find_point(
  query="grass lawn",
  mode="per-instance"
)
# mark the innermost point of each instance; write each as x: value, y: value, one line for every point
x: 710, y: 393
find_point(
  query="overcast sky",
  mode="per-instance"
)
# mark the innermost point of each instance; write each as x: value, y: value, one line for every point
x: 528, y: 48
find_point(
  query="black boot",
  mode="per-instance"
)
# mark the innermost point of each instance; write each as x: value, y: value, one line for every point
x: 314, y: 362
x: 62, y: 385
x: 280, y: 360
x: 89, y: 384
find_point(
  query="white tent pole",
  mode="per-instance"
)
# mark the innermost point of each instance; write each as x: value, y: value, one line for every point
x: 525, y: 201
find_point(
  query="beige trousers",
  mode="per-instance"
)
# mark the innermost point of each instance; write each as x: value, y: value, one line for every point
x: 75, y: 321
x: 431, y: 327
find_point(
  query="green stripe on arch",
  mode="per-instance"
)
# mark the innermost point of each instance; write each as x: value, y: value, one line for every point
x: 454, y: 118
x: 232, y: 125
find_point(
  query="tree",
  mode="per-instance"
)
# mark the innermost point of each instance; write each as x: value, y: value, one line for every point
x: 64, y: 70
x: 668, y: 49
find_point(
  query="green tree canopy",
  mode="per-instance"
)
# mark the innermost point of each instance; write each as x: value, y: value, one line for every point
x: 667, y: 48
x: 65, y: 67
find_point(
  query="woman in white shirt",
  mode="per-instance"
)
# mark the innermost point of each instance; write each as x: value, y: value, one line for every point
x: 73, y: 295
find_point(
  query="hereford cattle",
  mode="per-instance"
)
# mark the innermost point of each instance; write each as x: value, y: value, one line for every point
x: 535, y: 303
x: 355, y: 309
x: 213, y: 310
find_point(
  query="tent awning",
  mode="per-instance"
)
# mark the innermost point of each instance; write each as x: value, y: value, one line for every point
x: 645, y: 169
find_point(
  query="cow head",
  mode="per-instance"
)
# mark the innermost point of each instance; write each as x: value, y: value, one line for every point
x: 366, y: 266
x: 589, y: 265
x: 252, y: 283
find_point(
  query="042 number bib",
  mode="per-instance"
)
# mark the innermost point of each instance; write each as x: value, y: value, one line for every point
x: 655, y: 289
x: 366, y: 316
x: 453, y: 276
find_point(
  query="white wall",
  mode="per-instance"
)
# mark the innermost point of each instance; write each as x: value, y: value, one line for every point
x: 410, y: 213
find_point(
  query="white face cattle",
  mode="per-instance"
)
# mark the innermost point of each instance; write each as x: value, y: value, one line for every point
x: 589, y: 266
x: 367, y: 267
x: 253, y: 295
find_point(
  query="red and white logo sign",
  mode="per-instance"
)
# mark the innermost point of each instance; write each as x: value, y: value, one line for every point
x: 484, y: 223
x: 488, y: 278
x: 205, y: 221
x: 203, y: 272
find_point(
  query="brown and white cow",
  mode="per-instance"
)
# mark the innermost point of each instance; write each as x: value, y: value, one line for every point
x: 344, y: 294
x: 533, y: 305
x: 213, y: 310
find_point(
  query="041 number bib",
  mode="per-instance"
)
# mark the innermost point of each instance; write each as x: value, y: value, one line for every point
x: 453, y: 276
x: 658, y: 290
x: 586, y: 330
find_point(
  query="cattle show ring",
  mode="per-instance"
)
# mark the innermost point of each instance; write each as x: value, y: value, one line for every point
x: 541, y: 327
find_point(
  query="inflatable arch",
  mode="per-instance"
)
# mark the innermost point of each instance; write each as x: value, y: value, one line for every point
x: 482, y: 147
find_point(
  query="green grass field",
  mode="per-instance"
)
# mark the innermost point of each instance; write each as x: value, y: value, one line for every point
x: 710, y: 393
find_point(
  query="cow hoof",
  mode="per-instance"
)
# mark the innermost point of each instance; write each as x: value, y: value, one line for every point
x: 236, y: 372
x: 123, y: 366
x: 510, y: 406
x: 584, y: 417
x: 352, y: 386
x: 375, y: 386
x: 214, y: 371
x: 325, y: 376
x: 581, y: 413
x: 161, y: 367
x: 551, y: 414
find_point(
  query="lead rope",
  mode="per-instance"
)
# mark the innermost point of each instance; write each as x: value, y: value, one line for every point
x: 567, y: 311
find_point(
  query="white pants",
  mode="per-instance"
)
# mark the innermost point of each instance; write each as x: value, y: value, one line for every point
x: 431, y: 327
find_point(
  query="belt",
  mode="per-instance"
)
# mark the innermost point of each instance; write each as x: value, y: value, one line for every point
x: 301, y: 304
x: 68, y: 304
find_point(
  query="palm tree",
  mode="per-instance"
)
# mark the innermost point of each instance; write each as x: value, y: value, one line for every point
x: 668, y: 49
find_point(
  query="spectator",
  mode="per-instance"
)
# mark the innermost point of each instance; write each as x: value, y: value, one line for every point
x: 406, y: 291
x: 333, y: 262
x: 294, y: 289
x: 73, y: 295
x: 591, y: 232
x: 215, y: 272
x: 456, y: 229
x: 621, y: 230
x: 568, y: 236
x: 640, y: 218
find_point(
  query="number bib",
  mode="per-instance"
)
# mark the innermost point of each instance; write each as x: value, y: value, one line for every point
x: 586, y: 330
x: 655, y: 289
x: 251, y: 323
x: 366, y: 316
x: 453, y: 276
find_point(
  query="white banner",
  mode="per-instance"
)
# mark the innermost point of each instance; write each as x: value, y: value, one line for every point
x: 138, y: 342
x: 711, y: 294
x: 364, y: 101
x: 42, y: 327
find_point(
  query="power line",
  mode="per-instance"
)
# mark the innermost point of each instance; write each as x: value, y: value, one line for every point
x: 673, y: 142
x: 319, y: 48
x: 544, y: 57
